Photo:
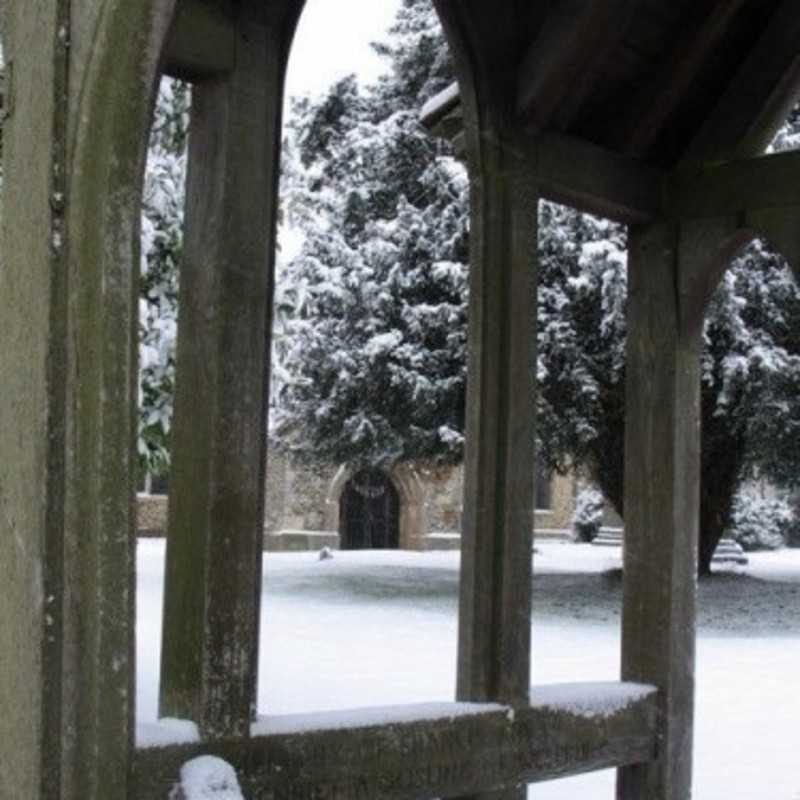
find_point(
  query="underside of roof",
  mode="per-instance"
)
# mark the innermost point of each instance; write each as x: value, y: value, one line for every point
x: 660, y: 82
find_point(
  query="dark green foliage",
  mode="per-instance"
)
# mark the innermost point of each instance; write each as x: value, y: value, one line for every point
x: 581, y: 345
x: 750, y: 404
x: 374, y: 361
x: 375, y: 370
x: 162, y: 241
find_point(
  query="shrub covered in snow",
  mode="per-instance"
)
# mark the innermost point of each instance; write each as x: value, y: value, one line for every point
x: 588, y: 514
x: 207, y: 778
x: 760, y: 524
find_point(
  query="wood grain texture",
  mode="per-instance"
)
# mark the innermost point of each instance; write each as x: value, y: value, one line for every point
x: 574, y: 34
x: 661, y: 507
x: 116, y: 63
x: 570, y: 170
x: 213, y: 570
x: 495, y: 588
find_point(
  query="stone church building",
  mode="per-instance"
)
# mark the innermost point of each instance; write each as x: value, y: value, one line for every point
x: 410, y: 507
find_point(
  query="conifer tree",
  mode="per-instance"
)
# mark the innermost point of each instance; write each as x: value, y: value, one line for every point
x: 376, y: 356
x: 372, y: 359
x: 750, y: 367
x: 162, y: 238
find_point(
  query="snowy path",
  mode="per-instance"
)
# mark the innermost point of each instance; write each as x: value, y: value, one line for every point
x: 380, y: 628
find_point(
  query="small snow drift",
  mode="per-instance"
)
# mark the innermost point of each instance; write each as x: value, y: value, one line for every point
x: 166, y: 731
x: 589, y: 700
x: 207, y: 778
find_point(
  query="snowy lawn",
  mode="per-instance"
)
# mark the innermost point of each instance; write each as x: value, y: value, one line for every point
x: 379, y: 628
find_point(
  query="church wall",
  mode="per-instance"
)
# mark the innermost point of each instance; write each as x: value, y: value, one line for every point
x: 302, y: 506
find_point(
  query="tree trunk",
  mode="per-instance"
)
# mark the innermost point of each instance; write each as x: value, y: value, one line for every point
x: 722, y: 458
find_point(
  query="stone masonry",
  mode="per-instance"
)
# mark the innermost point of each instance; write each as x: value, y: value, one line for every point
x: 302, y: 507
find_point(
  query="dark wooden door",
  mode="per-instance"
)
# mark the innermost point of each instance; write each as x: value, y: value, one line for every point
x: 369, y: 512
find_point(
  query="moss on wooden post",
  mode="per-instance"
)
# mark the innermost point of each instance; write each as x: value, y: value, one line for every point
x: 83, y: 77
x: 213, y: 573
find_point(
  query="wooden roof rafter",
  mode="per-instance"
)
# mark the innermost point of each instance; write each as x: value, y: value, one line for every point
x: 554, y: 78
x: 759, y: 97
x: 645, y: 119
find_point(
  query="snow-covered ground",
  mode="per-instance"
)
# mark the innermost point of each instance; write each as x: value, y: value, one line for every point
x: 379, y: 628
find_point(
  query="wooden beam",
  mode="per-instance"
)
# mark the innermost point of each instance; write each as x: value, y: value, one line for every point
x: 439, y: 108
x: 569, y: 170
x: 202, y: 42
x: 736, y: 187
x: 37, y: 393
x: 759, y: 97
x: 494, y: 621
x: 593, y: 179
x: 652, y: 106
x: 708, y: 245
x: 426, y: 751
x: 573, y: 34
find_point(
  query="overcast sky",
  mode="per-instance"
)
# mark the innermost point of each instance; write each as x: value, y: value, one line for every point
x: 332, y: 41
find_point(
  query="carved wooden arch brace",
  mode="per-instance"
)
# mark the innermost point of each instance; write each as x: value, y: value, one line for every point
x: 82, y: 98
x: 707, y: 247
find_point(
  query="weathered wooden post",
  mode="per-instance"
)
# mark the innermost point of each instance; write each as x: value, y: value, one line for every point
x: 494, y: 610
x: 74, y: 142
x: 494, y: 649
x: 494, y: 646
x: 213, y: 572
x: 661, y: 505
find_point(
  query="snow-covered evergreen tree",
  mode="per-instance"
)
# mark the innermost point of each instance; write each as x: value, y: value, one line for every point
x: 581, y: 345
x: 376, y: 356
x: 162, y: 237
x: 374, y: 362
x: 750, y: 369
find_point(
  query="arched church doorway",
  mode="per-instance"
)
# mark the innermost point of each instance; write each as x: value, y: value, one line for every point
x: 369, y: 512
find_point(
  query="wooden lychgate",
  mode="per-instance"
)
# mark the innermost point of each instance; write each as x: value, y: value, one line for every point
x: 653, y: 113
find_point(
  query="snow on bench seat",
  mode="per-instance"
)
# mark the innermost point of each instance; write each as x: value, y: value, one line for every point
x: 429, y: 749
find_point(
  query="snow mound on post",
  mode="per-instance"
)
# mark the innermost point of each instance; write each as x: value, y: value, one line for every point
x: 208, y: 778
